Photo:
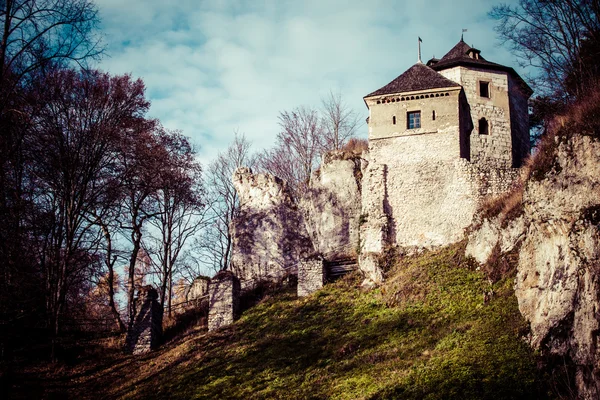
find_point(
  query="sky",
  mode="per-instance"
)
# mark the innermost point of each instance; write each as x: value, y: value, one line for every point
x: 212, y: 68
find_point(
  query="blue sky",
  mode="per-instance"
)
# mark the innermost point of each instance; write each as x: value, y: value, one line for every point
x: 213, y: 67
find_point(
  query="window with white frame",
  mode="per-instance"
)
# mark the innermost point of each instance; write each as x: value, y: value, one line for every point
x: 413, y: 119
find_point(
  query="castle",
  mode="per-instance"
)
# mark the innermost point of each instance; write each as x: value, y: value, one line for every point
x: 442, y: 137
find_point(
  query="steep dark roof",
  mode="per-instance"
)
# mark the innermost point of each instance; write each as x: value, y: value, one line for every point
x: 459, y: 55
x: 417, y: 77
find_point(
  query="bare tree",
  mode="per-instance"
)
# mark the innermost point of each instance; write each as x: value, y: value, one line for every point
x: 78, y: 119
x: 298, y: 148
x: 223, y: 200
x: 548, y: 35
x: 38, y: 33
x: 180, y: 207
x: 141, y: 157
x: 105, y: 218
x: 35, y: 35
x: 340, y: 122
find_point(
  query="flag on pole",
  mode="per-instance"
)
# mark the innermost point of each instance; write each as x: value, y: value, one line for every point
x: 420, y: 40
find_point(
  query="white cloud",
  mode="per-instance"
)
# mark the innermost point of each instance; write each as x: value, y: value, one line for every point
x: 218, y: 66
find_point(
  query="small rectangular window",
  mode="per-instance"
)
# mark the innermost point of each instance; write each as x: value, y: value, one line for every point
x: 484, y: 89
x: 413, y: 119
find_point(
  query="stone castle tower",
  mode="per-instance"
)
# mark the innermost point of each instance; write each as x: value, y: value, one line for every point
x: 442, y: 135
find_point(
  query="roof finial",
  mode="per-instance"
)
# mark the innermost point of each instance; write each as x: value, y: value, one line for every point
x: 419, y: 60
x: 462, y: 35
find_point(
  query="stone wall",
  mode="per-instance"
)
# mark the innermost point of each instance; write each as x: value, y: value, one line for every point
x: 145, y: 332
x: 495, y: 148
x: 311, y: 276
x: 519, y: 120
x: 443, y: 102
x: 332, y: 206
x: 224, y: 294
x: 421, y: 201
x: 269, y: 235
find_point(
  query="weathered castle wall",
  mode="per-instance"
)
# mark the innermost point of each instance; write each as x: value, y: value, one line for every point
x: 429, y: 199
x: 332, y: 206
x: 224, y: 296
x: 269, y: 234
x: 146, y: 330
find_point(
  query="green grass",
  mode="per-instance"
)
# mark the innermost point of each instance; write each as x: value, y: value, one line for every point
x: 426, y: 334
x: 437, y: 329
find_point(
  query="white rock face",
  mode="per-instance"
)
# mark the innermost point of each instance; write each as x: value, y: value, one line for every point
x: 198, y: 289
x: 491, y: 233
x: 332, y: 206
x: 558, y: 275
x: 269, y: 235
x: 557, y: 284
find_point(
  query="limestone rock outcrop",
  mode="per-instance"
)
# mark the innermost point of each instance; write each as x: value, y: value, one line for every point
x: 269, y: 234
x: 332, y: 206
x: 558, y: 275
x: 198, y: 289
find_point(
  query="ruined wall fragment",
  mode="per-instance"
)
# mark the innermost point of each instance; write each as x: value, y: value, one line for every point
x: 269, y: 234
x: 224, y: 296
x: 311, y: 276
x: 145, y: 331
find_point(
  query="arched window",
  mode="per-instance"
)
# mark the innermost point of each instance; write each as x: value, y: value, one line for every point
x: 394, y: 120
x: 484, y: 128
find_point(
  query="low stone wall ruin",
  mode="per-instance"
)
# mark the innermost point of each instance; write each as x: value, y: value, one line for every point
x: 224, y: 296
x: 311, y: 276
x: 145, y: 332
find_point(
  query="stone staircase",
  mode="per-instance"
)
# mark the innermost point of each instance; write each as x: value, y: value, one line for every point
x: 338, y: 268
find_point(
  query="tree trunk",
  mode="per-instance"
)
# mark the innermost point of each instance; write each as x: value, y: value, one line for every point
x: 136, y: 238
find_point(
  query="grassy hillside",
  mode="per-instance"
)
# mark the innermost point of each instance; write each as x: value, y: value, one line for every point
x: 436, y: 330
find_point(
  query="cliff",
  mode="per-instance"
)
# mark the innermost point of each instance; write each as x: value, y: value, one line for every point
x: 550, y: 228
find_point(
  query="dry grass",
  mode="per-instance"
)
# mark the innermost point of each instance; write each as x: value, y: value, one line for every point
x: 356, y: 146
x: 582, y: 117
x: 506, y: 207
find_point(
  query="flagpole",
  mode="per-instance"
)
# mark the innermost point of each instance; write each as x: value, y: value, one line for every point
x: 419, y: 60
